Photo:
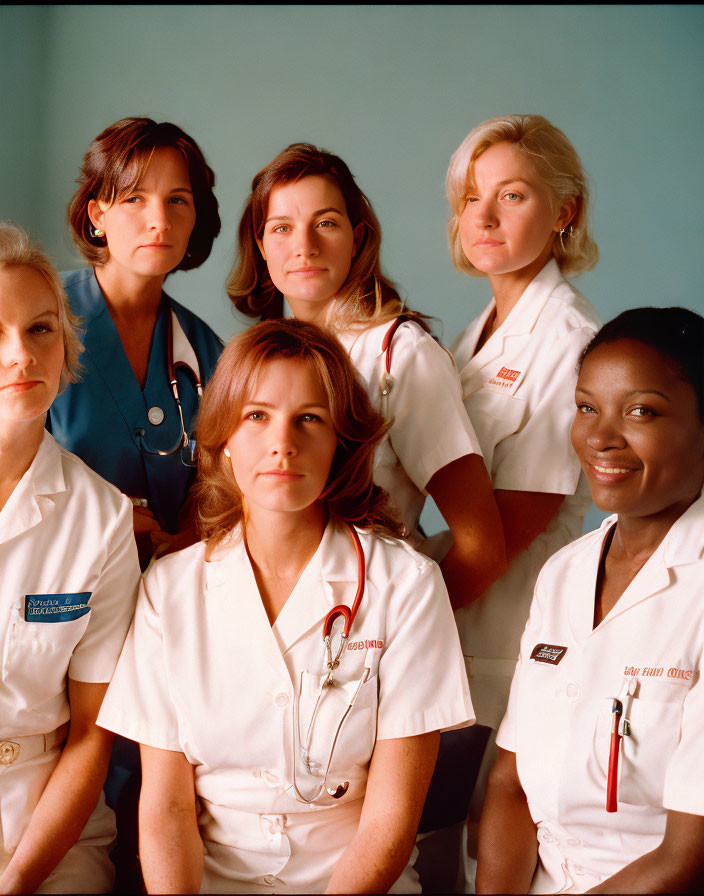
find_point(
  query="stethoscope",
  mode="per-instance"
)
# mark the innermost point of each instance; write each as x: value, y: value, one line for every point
x: 332, y: 662
x: 179, y: 354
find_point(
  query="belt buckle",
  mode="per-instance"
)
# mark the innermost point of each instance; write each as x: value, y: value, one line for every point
x: 9, y: 751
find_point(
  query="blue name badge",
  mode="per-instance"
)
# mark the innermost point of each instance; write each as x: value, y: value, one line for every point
x: 56, y: 607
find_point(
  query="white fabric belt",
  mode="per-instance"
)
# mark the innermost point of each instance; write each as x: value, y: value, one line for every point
x: 22, y: 749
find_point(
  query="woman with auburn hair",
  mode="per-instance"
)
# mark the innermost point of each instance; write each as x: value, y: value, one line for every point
x: 519, y: 215
x: 287, y: 677
x: 597, y: 786
x: 144, y: 208
x: 309, y: 245
x: 67, y: 594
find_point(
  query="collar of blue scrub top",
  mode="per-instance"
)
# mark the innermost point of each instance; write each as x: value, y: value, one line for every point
x: 102, y: 343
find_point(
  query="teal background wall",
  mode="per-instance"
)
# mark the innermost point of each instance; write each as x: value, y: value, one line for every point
x: 393, y: 90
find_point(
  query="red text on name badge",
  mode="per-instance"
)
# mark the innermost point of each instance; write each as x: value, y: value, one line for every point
x: 507, y: 374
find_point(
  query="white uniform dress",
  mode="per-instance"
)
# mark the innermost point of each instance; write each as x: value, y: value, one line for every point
x: 429, y: 425
x: 648, y: 653
x: 519, y: 392
x: 204, y: 673
x: 67, y: 595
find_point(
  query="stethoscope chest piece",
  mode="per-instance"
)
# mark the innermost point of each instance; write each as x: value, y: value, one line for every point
x: 155, y: 416
x: 340, y: 790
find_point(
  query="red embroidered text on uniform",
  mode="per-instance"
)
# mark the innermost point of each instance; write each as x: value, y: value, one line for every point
x: 507, y: 374
x: 363, y: 645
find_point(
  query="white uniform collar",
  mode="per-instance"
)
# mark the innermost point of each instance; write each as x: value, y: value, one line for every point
x: 684, y: 542
x: 520, y: 321
x: 31, y: 501
x: 329, y: 579
x: 527, y: 310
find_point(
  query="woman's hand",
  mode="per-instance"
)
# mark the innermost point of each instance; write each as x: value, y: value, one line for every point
x: 464, y: 496
x: 145, y: 525
x: 508, y: 840
x: 69, y: 797
x: 399, y: 776
x: 153, y: 541
x: 170, y: 847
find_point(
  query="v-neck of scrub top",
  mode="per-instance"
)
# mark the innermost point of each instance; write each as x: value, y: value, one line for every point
x: 652, y: 577
x: 520, y: 321
x: 305, y: 607
x: 103, y: 343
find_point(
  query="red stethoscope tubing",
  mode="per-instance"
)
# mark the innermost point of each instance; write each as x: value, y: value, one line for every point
x: 349, y: 613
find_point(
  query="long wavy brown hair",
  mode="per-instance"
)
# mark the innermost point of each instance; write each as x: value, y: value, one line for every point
x: 350, y: 494
x: 368, y: 297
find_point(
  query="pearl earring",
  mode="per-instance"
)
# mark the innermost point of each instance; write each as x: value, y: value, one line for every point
x: 226, y: 452
x: 100, y: 233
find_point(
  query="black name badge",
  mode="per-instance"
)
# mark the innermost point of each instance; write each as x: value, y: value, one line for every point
x: 548, y: 653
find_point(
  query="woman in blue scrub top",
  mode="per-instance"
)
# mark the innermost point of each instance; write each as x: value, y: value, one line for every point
x: 144, y: 208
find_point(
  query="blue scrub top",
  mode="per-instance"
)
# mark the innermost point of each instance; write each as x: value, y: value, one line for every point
x: 98, y: 417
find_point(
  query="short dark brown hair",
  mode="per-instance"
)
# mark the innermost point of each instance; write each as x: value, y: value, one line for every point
x: 350, y: 494
x: 114, y: 165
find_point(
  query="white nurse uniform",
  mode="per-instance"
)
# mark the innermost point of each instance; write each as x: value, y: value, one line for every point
x: 203, y: 672
x: 648, y: 653
x: 67, y: 595
x: 519, y: 392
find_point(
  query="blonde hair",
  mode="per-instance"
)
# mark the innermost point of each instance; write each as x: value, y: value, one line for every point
x: 17, y: 249
x: 556, y: 163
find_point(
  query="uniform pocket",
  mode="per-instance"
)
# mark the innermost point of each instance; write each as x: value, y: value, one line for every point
x: 37, y: 654
x: 655, y: 728
x: 337, y: 724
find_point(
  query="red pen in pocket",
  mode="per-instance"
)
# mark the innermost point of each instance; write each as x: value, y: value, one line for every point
x: 614, y: 750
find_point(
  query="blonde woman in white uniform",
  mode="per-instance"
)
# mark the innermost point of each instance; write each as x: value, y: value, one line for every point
x: 519, y: 216
x: 260, y: 776
x: 69, y: 581
x: 309, y: 236
x: 598, y: 783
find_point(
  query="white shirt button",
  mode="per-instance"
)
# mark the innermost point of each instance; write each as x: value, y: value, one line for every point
x: 281, y: 700
x: 155, y: 415
x: 269, y: 879
x: 573, y: 691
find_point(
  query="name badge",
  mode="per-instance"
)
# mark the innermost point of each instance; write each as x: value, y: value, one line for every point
x: 505, y: 380
x: 56, y: 607
x: 548, y: 653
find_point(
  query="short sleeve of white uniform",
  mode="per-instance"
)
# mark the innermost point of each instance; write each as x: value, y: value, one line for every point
x: 423, y: 680
x: 684, y: 784
x: 112, y: 604
x: 137, y: 704
x: 507, y: 736
x: 430, y: 427
x: 539, y: 457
